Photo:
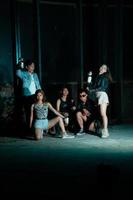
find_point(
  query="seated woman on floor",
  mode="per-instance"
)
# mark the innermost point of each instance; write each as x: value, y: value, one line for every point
x: 39, y: 114
x: 66, y: 106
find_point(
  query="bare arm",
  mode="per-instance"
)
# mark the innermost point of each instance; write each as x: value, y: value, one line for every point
x: 86, y: 112
x: 58, y: 105
x: 31, y: 115
x: 54, y: 111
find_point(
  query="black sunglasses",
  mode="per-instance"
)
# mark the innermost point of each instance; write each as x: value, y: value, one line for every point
x: 82, y: 95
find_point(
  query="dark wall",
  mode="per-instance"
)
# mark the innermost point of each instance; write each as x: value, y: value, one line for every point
x: 24, y: 15
x: 58, y: 36
x: 6, y: 65
x: 59, y: 39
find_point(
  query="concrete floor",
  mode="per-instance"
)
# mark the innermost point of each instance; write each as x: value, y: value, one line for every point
x: 57, y: 168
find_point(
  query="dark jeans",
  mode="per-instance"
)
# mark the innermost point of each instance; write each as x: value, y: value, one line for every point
x: 27, y: 102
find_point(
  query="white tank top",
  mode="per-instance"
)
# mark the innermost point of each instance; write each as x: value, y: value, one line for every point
x: 32, y: 87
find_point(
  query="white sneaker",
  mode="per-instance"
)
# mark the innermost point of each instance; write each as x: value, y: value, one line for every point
x: 65, y: 136
x: 105, y: 133
x: 81, y: 132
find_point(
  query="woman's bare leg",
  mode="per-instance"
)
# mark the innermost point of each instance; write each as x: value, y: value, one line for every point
x: 103, y: 110
x: 92, y: 127
x: 80, y: 119
x: 56, y: 120
x: 38, y: 133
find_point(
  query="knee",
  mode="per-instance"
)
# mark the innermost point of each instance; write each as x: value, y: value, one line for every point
x: 37, y: 138
x: 103, y: 115
x: 59, y: 119
x: 78, y: 114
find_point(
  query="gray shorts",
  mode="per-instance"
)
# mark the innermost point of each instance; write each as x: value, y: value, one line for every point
x: 41, y: 123
x: 102, y: 97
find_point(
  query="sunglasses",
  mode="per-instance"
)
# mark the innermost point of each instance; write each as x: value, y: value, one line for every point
x: 82, y: 95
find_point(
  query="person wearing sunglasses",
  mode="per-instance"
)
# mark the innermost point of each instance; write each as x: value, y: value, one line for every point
x: 85, y: 113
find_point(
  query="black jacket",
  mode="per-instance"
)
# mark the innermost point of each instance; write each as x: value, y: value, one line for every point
x: 89, y: 105
x: 101, y: 83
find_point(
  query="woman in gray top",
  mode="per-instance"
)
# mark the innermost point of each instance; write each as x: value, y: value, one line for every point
x: 39, y: 112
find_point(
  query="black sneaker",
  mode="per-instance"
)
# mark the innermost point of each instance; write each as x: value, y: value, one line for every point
x: 97, y: 127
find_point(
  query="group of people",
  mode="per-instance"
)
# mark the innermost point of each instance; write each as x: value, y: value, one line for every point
x: 87, y: 114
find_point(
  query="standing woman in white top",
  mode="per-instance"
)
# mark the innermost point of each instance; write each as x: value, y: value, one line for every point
x: 30, y: 84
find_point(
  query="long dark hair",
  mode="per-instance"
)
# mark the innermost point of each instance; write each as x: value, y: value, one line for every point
x: 108, y: 74
x: 28, y: 62
x: 61, y: 91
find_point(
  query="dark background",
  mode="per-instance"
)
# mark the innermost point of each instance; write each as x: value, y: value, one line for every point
x: 67, y: 39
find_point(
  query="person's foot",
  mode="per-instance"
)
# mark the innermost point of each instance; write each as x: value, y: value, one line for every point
x: 97, y: 127
x: 81, y: 132
x: 65, y: 136
x: 44, y: 132
x: 105, y: 133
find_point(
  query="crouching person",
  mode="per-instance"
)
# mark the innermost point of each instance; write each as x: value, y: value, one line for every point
x: 86, y: 113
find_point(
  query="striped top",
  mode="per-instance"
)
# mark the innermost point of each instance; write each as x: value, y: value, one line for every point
x: 41, y: 111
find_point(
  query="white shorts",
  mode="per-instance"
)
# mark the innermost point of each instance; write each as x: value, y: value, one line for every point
x: 41, y: 123
x: 102, y: 97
